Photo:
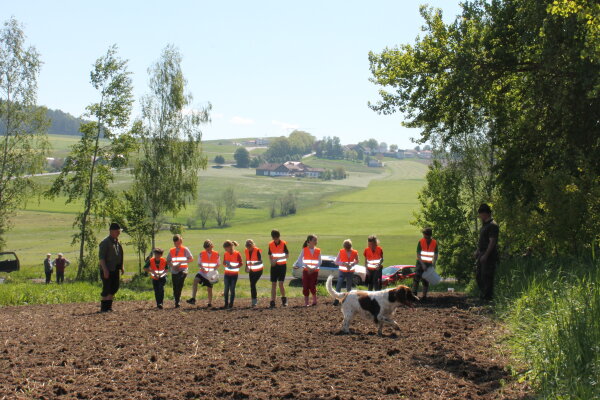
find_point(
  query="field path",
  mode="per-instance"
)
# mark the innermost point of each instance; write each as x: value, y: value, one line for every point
x: 69, y: 351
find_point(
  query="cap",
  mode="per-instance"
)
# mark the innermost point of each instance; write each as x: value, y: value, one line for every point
x: 60, y: 254
x: 427, y: 231
x: 484, y: 208
x: 49, y: 254
x: 115, y: 227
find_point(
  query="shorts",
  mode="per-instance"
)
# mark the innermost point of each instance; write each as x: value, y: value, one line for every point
x: 278, y: 273
x: 203, y: 280
x: 110, y: 286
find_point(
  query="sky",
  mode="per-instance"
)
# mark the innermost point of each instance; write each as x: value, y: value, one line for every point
x: 267, y: 67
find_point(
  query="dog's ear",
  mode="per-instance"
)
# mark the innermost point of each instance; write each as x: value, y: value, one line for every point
x: 402, y: 294
x: 392, y: 295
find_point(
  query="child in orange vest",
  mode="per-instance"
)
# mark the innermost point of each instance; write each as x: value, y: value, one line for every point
x: 310, y: 260
x: 374, y: 262
x: 254, y: 267
x: 157, y: 268
x: 346, y: 260
x: 278, y: 253
x: 232, y: 260
x: 208, y: 261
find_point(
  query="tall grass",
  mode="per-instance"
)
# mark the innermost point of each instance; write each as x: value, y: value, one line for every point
x: 552, y: 308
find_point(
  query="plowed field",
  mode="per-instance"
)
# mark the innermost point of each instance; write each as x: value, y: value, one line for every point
x: 444, y: 351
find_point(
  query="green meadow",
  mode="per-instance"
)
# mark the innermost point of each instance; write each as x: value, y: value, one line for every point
x: 377, y: 201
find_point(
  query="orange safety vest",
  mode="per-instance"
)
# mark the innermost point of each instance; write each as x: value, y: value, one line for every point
x: 344, y: 258
x: 211, y: 262
x: 234, y: 262
x: 176, y: 257
x: 158, y: 271
x: 373, y: 257
x: 427, y: 251
x: 277, y: 251
x: 311, y: 261
x: 252, y: 261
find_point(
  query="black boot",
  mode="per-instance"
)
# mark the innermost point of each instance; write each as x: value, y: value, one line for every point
x: 284, y: 301
x: 103, y: 305
x: 109, y: 305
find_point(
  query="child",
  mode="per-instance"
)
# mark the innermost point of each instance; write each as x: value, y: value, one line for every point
x: 347, y: 258
x: 254, y: 267
x: 278, y: 253
x: 178, y: 259
x: 310, y: 260
x: 157, y: 268
x: 208, y: 261
x: 374, y: 262
x: 231, y: 261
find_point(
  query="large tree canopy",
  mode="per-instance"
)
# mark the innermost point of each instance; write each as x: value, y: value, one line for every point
x: 517, y: 81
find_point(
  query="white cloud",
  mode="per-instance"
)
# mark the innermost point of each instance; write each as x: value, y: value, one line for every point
x: 285, y: 125
x: 241, y: 121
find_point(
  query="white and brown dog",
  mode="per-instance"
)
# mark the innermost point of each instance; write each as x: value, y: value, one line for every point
x: 372, y: 305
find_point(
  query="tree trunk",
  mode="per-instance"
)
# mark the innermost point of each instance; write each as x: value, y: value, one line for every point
x: 88, y: 206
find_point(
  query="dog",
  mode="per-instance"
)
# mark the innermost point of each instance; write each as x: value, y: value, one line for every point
x: 378, y: 306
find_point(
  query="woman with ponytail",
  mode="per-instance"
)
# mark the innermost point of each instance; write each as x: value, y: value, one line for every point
x: 232, y: 260
x: 310, y: 260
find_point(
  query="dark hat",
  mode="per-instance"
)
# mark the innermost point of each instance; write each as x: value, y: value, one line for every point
x: 115, y: 227
x: 484, y: 208
x: 427, y: 231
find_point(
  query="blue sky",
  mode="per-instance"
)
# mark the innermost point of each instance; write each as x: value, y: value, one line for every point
x: 267, y: 67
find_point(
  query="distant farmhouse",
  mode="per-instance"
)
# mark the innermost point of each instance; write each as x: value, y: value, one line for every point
x: 375, y: 163
x: 260, y: 142
x: 289, y: 168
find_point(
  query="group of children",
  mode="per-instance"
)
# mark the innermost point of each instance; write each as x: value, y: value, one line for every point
x: 209, y: 260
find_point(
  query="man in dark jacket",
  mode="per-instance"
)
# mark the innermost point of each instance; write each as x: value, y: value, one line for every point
x: 111, y: 263
x: 486, y: 255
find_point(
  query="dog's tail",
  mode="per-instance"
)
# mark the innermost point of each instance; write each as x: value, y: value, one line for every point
x: 331, y: 290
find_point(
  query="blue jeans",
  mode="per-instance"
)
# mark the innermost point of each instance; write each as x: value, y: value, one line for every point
x: 230, y: 281
x: 344, y: 276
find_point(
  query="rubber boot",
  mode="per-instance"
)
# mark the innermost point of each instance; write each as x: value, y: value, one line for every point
x: 424, y: 297
x: 226, y: 304
x: 254, y: 302
x: 272, y: 304
x: 109, y: 305
x: 314, y: 303
x: 306, y: 301
x: 284, y: 302
x: 103, y: 305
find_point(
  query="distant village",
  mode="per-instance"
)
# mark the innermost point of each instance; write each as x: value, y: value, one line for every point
x: 299, y: 169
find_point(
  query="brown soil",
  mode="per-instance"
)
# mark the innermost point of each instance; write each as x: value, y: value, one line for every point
x: 443, y: 351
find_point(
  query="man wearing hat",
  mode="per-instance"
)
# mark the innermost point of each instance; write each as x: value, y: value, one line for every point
x: 427, y: 255
x: 48, y: 267
x: 486, y: 255
x: 111, y: 263
x: 61, y: 263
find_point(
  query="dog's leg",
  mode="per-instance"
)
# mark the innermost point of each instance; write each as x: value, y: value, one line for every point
x: 347, y: 319
x: 383, y: 319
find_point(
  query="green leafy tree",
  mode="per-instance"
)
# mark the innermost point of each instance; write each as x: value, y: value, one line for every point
x: 23, y: 142
x: 205, y: 211
x: 242, y: 157
x: 219, y: 160
x: 170, y: 152
x: 136, y: 222
x: 525, y: 76
x: 88, y: 170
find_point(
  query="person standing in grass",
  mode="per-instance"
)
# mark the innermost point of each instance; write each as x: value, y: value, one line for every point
x: 374, y: 262
x: 278, y: 254
x: 232, y: 260
x: 346, y: 260
x: 111, y: 263
x: 208, y: 261
x: 48, y: 267
x: 61, y: 263
x: 427, y: 255
x: 254, y: 267
x: 178, y: 259
x: 486, y: 255
x: 157, y: 268
x: 310, y: 260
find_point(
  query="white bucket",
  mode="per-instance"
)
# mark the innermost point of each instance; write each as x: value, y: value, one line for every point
x: 431, y: 276
x: 213, y: 276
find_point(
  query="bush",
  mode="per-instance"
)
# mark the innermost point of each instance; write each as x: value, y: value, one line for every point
x: 552, y: 308
x: 219, y: 160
